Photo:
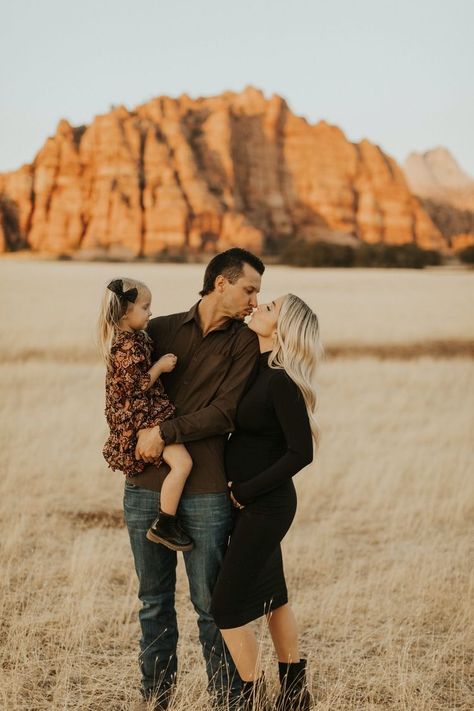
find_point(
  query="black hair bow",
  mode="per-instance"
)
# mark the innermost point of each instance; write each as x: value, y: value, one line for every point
x: 117, y: 287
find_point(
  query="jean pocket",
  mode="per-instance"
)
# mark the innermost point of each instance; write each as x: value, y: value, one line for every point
x: 130, y: 486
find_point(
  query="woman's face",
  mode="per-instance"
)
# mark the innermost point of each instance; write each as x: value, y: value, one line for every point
x: 265, y: 318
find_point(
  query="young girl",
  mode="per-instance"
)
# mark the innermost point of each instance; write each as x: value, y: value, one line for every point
x: 135, y: 400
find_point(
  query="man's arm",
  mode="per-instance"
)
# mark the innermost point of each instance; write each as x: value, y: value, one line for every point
x: 218, y: 417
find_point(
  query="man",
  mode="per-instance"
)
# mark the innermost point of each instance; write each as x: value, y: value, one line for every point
x: 216, y: 357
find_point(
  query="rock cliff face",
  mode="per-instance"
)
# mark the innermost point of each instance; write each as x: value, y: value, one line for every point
x: 447, y: 194
x: 436, y: 175
x: 200, y: 175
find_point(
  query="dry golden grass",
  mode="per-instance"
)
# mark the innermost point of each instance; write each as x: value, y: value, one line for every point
x: 51, y: 306
x: 379, y: 560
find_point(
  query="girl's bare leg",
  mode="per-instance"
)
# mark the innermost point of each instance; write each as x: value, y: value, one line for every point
x: 243, y: 647
x: 177, y: 457
x: 284, y: 633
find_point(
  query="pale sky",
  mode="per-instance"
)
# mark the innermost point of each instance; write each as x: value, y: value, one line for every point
x: 398, y: 72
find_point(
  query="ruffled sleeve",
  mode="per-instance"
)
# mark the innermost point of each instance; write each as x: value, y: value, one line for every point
x: 129, y: 363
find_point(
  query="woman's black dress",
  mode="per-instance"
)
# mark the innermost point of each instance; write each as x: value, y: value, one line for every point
x: 272, y: 442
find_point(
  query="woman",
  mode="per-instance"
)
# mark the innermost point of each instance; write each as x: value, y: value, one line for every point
x: 275, y: 426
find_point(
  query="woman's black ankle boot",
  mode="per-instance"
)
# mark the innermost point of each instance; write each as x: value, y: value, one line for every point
x: 294, y: 693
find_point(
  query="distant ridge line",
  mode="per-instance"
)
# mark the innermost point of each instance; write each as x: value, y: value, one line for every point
x: 403, y: 351
x: 439, y: 349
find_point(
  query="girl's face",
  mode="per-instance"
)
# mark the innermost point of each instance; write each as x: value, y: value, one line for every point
x: 265, y: 318
x: 138, y: 314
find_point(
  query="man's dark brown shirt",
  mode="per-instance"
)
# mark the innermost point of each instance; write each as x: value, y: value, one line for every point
x: 210, y: 377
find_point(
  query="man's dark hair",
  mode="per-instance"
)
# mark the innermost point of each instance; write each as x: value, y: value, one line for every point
x: 229, y: 264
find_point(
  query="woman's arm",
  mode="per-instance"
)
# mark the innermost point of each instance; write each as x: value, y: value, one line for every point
x: 292, y: 415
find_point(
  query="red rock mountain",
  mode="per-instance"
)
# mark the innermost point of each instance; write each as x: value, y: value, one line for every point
x: 438, y: 176
x: 198, y: 175
x: 446, y: 193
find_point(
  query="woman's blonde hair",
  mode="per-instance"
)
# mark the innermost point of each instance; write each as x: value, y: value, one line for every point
x: 297, y: 350
x: 112, y: 308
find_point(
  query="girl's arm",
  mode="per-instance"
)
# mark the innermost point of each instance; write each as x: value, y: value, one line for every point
x: 128, y: 362
x: 164, y: 365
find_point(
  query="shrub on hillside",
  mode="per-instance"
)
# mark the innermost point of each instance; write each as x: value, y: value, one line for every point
x: 300, y: 253
x: 448, y: 219
x: 326, y: 254
x: 466, y: 255
x: 402, y: 256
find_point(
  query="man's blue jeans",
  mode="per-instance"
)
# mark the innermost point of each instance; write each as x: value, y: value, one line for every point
x: 208, y: 520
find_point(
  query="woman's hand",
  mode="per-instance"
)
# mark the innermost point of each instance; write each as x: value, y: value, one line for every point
x: 233, y: 499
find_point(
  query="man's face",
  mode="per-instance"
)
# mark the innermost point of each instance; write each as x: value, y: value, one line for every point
x: 239, y: 299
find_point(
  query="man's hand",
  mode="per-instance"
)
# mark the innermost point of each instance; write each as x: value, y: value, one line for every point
x: 150, y: 445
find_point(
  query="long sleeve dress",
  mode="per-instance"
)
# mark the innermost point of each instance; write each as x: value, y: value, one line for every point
x: 272, y: 442
x: 130, y: 403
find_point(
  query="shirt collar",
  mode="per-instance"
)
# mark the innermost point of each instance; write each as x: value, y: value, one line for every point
x: 193, y: 315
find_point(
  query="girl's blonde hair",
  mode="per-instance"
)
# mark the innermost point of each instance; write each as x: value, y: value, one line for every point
x: 112, y: 308
x: 297, y: 350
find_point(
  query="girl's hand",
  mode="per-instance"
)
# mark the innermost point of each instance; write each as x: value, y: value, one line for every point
x: 233, y: 499
x: 167, y: 362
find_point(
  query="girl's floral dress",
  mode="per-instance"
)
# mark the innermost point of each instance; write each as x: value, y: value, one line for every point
x: 129, y: 405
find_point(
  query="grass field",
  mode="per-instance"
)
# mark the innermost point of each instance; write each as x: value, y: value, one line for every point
x: 378, y: 561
